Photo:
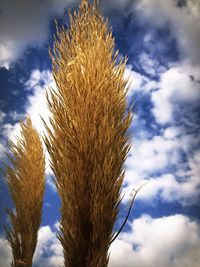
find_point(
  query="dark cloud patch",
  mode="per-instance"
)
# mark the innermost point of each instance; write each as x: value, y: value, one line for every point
x: 26, y: 23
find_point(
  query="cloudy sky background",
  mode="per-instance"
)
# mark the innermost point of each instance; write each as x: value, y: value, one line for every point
x: 162, y: 42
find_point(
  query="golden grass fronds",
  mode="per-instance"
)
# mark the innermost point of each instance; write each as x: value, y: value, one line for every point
x: 25, y: 177
x: 88, y: 142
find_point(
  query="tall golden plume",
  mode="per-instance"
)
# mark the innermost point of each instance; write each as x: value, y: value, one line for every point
x: 88, y: 141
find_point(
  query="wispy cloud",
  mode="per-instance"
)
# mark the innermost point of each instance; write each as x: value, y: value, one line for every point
x: 183, y: 21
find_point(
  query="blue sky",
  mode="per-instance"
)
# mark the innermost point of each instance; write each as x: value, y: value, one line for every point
x: 162, y: 42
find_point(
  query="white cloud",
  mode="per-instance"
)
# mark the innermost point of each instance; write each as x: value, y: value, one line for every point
x: 169, y: 189
x: 147, y: 156
x: 151, y: 159
x: 176, y: 86
x: 163, y: 109
x: 179, y: 84
x: 36, y: 105
x: 48, y: 243
x: 135, y: 80
x: 184, y: 22
x: 26, y: 23
x: 11, y: 131
x: 172, y: 132
x: 172, y: 241
x: 138, y: 82
x: 150, y: 65
x: 5, y: 253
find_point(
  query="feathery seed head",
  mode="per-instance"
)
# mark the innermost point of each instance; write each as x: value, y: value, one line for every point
x: 25, y: 177
x: 89, y: 142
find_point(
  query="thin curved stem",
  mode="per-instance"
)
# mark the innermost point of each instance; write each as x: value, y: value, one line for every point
x: 129, y: 211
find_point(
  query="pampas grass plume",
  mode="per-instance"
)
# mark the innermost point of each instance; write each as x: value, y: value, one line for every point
x: 88, y: 141
x: 25, y: 176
